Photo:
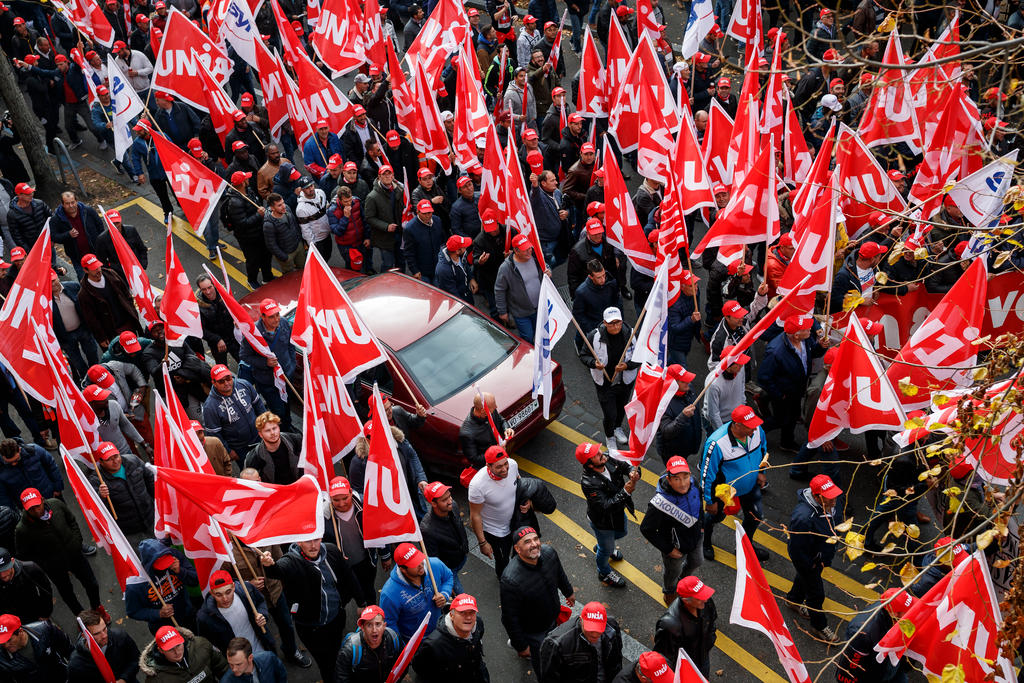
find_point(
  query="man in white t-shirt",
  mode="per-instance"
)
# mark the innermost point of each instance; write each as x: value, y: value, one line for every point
x: 226, y: 614
x: 492, y: 502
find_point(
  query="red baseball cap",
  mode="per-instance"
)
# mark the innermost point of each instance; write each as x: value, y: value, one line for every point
x: 24, y: 188
x: 339, y: 486
x: 194, y: 144
x: 102, y: 90
x: 60, y: 59
x: 786, y: 240
x: 219, y: 371
x: 9, y: 624
x: 456, y: 242
x: 594, y: 617
x: 871, y: 327
x: 521, y: 242
x: 33, y: 59
x: 746, y: 416
x: 688, y: 278
x: 94, y: 392
x: 30, y: 498
x: 98, y: 374
x: 385, y: 168
x: 269, y: 307
x: 958, y: 550
x: 677, y: 465
x: 830, y: 55
x: 587, y: 147
x: 118, y: 45
x: 220, y: 578
x: 732, y: 309
x: 871, y: 249
x: 594, y: 208
x: 246, y: 99
x: 393, y: 138
x: 830, y: 356
x: 238, y: 115
x: 165, y: 96
x: 494, y: 453
x: 17, y: 253
x: 435, y: 490
x: 129, y: 342
x: 719, y: 189
x: 655, y: 667
x: 679, y: 373
x: 529, y: 134
x: 795, y: 323
x: 529, y: 19
x: 237, y: 145
x: 464, y: 602
x: 358, y: 110
x: 692, y: 587
x: 350, y: 166
x: 114, y: 216
x: 424, y: 172
x: 424, y: 206
x: 594, y: 226
x: 167, y: 637
x: 741, y: 359
x: 239, y: 177
x: 463, y: 181
x: 739, y: 268
x: 900, y: 601
x: 822, y: 485
x: 724, y: 82
x: 89, y: 262
x: 407, y: 555
x: 575, y: 117
x: 586, y: 451
x: 106, y: 450
x: 369, y: 613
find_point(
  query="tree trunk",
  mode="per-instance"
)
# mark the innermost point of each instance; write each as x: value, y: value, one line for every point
x: 26, y: 124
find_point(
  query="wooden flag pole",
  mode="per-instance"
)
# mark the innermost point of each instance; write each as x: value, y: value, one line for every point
x: 252, y: 605
x: 430, y: 570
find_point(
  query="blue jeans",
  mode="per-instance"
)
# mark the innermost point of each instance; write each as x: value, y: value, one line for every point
x: 212, y: 232
x: 606, y: 545
x: 550, y: 259
x: 527, y: 327
x: 577, y: 32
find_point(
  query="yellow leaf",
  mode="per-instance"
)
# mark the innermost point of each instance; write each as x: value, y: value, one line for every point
x: 985, y: 538
x: 908, y: 573
x: 888, y: 24
x: 907, y: 389
x: 896, y: 528
x: 1001, y: 258
x: 951, y: 635
x: 952, y: 491
x: 954, y: 504
x: 889, y: 547
x: 941, y: 399
x: 894, y: 255
x: 832, y: 540
x: 980, y: 374
x: 913, y: 530
x: 914, y: 422
x: 871, y: 586
x: 868, y: 566
x: 907, y: 627
x: 921, y: 253
x: 845, y: 526
x: 851, y: 301
x: 953, y: 673
x: 881, y: 278
x: 999, y: 564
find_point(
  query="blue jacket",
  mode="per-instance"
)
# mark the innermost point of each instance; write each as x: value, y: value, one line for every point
x: 405, y: 604
x: 590, y: 300
x: 453, y: 276
x: 180, y: 123
x: 36, y: 469
x: 268, y: 667
x: 232, y: 419
x: 215, y: 628
x: 60, y: 230
x: 725, y: 460
x: 313, y: 152
x: 280, y: 343
x: 420, y: 244
x: 545, y: 213
x: 465, y: 217
x: 142, y: 158
x: 809, y: 529
x: 141, y: 603
x: 681, y: 326
x: 781, y: 373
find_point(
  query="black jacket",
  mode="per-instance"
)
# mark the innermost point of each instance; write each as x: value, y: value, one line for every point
x: 50, y: 543
x: 218, y: 325
x: 670, y: 633
x: 529, y: 595
x: 302, y: 580
x: 99, y: 316
x: 665, y: 531
x: 566, y: 657
x: 132, y: 496
x: 260, y: 459
x: 105, y: 248
x: 583, y: 252
x: 809, y: 530
x: 476, y: 436
x: 122, y: 654
x: 29, y: 594
x: 60, y: 230
x: 536, y: 492
x: 857, y: 663
x: 444, y: 656
x: 215, y: 628
x: 357, y: 663
x: 678, y: 434
x: 445, y: 538
x: 607, y: 499
x: 51, y: 649
x: 242, y: 217
x: 26, y: 226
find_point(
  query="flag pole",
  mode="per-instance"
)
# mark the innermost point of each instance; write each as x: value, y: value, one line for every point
x: 630, y: 340
x: 405, y: 382
x: 430, y: 570
x: 252, y: 605
x: 241, y: 551
x: 586, y: 341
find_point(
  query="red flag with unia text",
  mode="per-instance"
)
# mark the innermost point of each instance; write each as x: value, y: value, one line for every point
x: 746, y: 26
x: 388, y: 513
x: 715, y: 146
x: 591, y: 98
x: 618, y: 58
x: 185, y: 53
x: 429, y: 135
x: 88, y: 17
x: 442, y: 34
x: 493, y: 177
x: 814, y: 258
x: 471, y: 117
x: 817, y: 177
x: 796, y: 158
x: 623, y: 229
x: 221, y: 107
x: 339, y: 425
x: 320, y: 97
x: 178, y: 306
x: 866, y: 186
x: 772, y: 114
x: 338, y: 35
x: 373, y: 34
x: 134, y: 274
x: 754, y: 607
x: 889, y: 116
x: 401, y: 91
x: 518, y: 209
x: 646, y: 24
x: 654, y: 147
x: 644, y: 71
x: 691, y: 183
x: 197, y: 188
x: 652, y: 392
x: 302, y: 125
x: 292, y: 47
x: 77, y: 424
x: 273, y: 84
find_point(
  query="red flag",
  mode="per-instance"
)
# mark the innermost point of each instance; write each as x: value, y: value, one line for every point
x: 338, y: 37
x: 814, y: 258
x: 715, y: 147
x: 88, y: 16
x: 624, y: 231
x: 28, y: 306
x: 320, y: 98
x: 401, y: 91
x: 929, y: 84
x: 646, y: 24
x: 556, y: 47
x: 471, y: 117
x: 939, y: 353
x: 746, y: 135
x: 185, y: 53
x: 769, y: 319
x: 197, y: 188
x: 315, y: 458
x: 618, y: 59
x: 772, y: 121
x: 691, y: 183
x: 442, y: 34
x: 324, y: 309
x: 857, y: 395
x: 654, y: 151
x: 591, y: 99
x: 644, y: 72
x: 429, y: 135
x: 671, y: 242
x: 955, y: 624
x: 866, y: 186
x: 313, y: 12
x: 388, y: 513
x: 98, y: 658
x: 754, y: 607
x: 76, y: 421
x: 105, y: 532
x: 259, y: 514
x: 221, y: 107
x: 686, y: 671
x: 273, y: 83
x: 179, y: 307
x: 752, y: 214
x: 134, y: 274
x: 519, y: 211
x: 186, y: 441
x: 402, y: 663
x: 493, y: 178
x: 373, y: 35
x: 889, y: 116
x: 816, y: 178
x: 302, y: 125
x: 291, y: 45
x: 652, y: 393
x: 747, y: 27
x: 328, y: 406
x: 796, y: 159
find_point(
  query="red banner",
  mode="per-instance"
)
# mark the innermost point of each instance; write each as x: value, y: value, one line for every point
x: 184, y: 54
x: 197, y: 188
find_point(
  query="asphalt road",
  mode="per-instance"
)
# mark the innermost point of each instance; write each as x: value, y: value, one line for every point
x: 740, y: 655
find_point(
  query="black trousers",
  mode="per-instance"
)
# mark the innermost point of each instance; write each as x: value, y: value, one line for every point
x: 79, y: 566
x: 502, y: 547
x: 366, y: 575
x: 785, y: 413
x: 257, y: 260
x: 285, y: 627
x: 163, y: 191
x: 612, y: 400
x: 323, y: 643
x: 808, y: 589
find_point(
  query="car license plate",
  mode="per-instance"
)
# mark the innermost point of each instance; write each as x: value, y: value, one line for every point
x: 520, y: 417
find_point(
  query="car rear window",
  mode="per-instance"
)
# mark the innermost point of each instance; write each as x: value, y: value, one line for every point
x: 456, y: 354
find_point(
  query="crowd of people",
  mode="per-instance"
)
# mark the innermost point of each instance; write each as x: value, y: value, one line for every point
x: 367, y: 190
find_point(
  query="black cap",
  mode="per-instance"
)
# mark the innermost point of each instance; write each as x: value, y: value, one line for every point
x: 6, y: 559
x: 523, y: 531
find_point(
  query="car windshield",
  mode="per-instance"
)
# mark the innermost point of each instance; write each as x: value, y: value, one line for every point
x: 456, y: 354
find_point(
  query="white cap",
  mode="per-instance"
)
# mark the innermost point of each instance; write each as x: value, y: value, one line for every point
x: 447, y: 115
x: 830, y: 101
x: 612, y: 314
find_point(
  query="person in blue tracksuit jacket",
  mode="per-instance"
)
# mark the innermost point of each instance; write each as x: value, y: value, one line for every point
x: 408, y: 594
x: 732, y: 454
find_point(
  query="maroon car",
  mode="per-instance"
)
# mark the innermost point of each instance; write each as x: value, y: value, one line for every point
x: 445, y: 350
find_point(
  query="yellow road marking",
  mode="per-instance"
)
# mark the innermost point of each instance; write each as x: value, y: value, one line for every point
x: 726, y: 645
x: 774, y: 580
x: 837, y: 578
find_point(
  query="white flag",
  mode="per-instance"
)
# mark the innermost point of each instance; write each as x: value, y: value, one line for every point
x: 698, y: 26
x: 127, y: 106
x: 239, y: 29
x: 652, y: 337
x: 553, y: 319
x: 980, y: 195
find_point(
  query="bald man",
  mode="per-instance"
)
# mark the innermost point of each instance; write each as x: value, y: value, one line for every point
x: 478, y: 433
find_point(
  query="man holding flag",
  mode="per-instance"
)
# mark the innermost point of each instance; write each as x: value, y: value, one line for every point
x: 102, y: 650
x: 608, y: 486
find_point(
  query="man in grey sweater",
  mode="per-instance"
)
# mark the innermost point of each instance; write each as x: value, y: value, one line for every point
x: 517, y: 288
x: 282, y: 235
x: 726, y: 391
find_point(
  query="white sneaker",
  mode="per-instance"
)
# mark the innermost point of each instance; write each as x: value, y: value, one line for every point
x: 621, y: 436
x: 611, y: 444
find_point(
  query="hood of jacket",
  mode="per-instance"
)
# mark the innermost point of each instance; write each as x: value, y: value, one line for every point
x: 363, y: 446
x: 806, y: 496
x: 150, y: 660
x: 150, y: 550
